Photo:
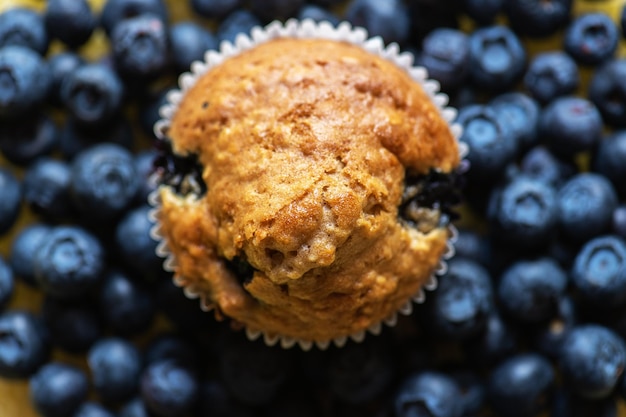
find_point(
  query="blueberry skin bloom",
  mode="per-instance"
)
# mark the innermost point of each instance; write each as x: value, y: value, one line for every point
x: 7, y: 283
x: 387, y: 19
x: 445, y: 54
x: 115, y: 367
x: 189, y: 43
x: 609, y: 160
x: 541, y: 165
x: 429, y: 394
x: 104, y: 181
x: 58, y: 389
x: 538, y: 18
x: 70, y: 21
x: 599, y: 271
x: 116, y: 11
x: 47, y: 188
x: 550, y: 75
x: 24, y: 344
x: 607, y: 90
x: 497, y: 58
x: 591, y: 39
x: 20, y: 26
x: 91, y: 409
x: 520, y: 386
x: 11, y: 191
x: 23, y: 249
x: 92, y: 94
x: 168, y: 389
x: 530, y: 290
x: 24, y: 81
x: 520, y: 114
x: 619, y: 221
x: 69, y: 263
x: 585, y: 206
x: 592, y: 361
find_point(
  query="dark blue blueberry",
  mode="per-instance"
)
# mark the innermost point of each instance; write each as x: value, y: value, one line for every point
x: 520, y: 114
x: 170, y: 346
x: 104, y: 181
x: 550, y: 75
x: 566, y: 404
x: 24, y: 81
x: 24, y: 344
x: 538, y: 18
x: 134, y: 408
x: 58, y: 389
x: 92, y: 409
x: 484, y: 12
x: 520, y: 386
x: 268, y: 10
x: 591, y: 38
x: 607, y: 90
x: 135, y: 245
x: 215, y: 9
x: 141, y: 47
x: 20, y: 26
x: 169, y: 389
x: 11, y: 192
x: 69, y: 262
x: 428, y: 393
x: 445, y: 54
x: 215, y: 401
x: 23, y: 249
x: 144, y: 165
x: 92, y: 94
x: 75, y: 138
x: 426, y: 16
x: 61, y: 65
x: 126, y: 307
x: 115, y: 368
x: 189, y: 43
x: 619, y: 221
x: 74, y: 326
x: 46, y: 188
x: 541, y: 165
x: 599, y: 271
x: 609, y: 160
x: 318, y: 14
x: 497, y: 58
x: 491, y: 145
x: 592, y: 361
x: 149, y: 110
x: 23, y: 142
x: 571, y: 125
x: 7, y: 283
x: 473, y: 246
x: 497, y: 341
x: 459, y: 308
x: 549, y: 336
x: 70, y: 21
x: 530, y: 291
x: 116, y: 11
x: 389, y: 19
x: 585, y: 206
x: 239, y: 21
x: 473, y: 390
x: 524, y: 213
x: 360, y: 372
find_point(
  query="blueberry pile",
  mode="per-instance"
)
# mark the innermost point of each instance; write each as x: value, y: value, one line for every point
x: 529, y: 320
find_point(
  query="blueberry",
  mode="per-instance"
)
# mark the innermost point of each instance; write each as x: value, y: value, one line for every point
x: 134, y: 408
x: 609, y: 160
x: 115, y: 368
x: 104, y: 181
x: 585, y: 206
x: 116, y: 11
x: 599, y: 271
x: 473, y: 246
x: 592, y: 361
x: 136, y: 247
x: 24, y: 27
x: 141, y: 47
x: 445, y: 54
x: 7, y: 283
x: 70, y: 21
x: 520, y: 114
x: 550, y: 75
x: 11, y: 191
x: 239, y: 21
x: 92, y: 94
x: 91, y: 409
x: 58, y: 389
x: 458, y: 309
x: 607, y: 90
x: 426, y: 16
x: 317, y: 14
x: 24, y: 344
x: 428, y: 393
x: 538, y: 18
x: 276, y: 9
x: 189, y: 43
x: 619, y: 221
x: 473, y: 390
x: 169, y: 389
x: 549, y: 336
x: 524, y: 213
x: 171, y: 347
x: 69, y: 262
x: 24, y: 81
x: 74, y: 326
x: 144, y: 165
x: 388, y: 19
x: 541, y: 165
x: 46, y: 188
x: 217, y: 9
x: 591, y: 38
x: 483, y: 12
x: 23, y: 142
x: 520, y: 386
x: 23, y: 249
x: 497, y: 58
x: 75, y: 137
x: 149, y: 110
x: 497, y: 341
x: 61, y: 65
x: 127, y: 307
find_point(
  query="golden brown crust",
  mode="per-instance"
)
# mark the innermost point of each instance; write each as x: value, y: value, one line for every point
x: 304, y: 145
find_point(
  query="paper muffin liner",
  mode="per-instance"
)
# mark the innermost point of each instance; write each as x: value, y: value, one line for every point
x: 304, y: 29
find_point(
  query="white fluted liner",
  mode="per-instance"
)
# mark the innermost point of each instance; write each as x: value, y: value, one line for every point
x: 305, y: 29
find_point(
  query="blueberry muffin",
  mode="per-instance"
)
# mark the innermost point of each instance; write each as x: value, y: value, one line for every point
x: 306, y: 189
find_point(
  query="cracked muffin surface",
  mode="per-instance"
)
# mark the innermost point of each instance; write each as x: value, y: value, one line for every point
x: 304, y: 147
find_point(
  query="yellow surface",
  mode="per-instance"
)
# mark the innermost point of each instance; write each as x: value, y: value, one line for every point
x: 14, y: 400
